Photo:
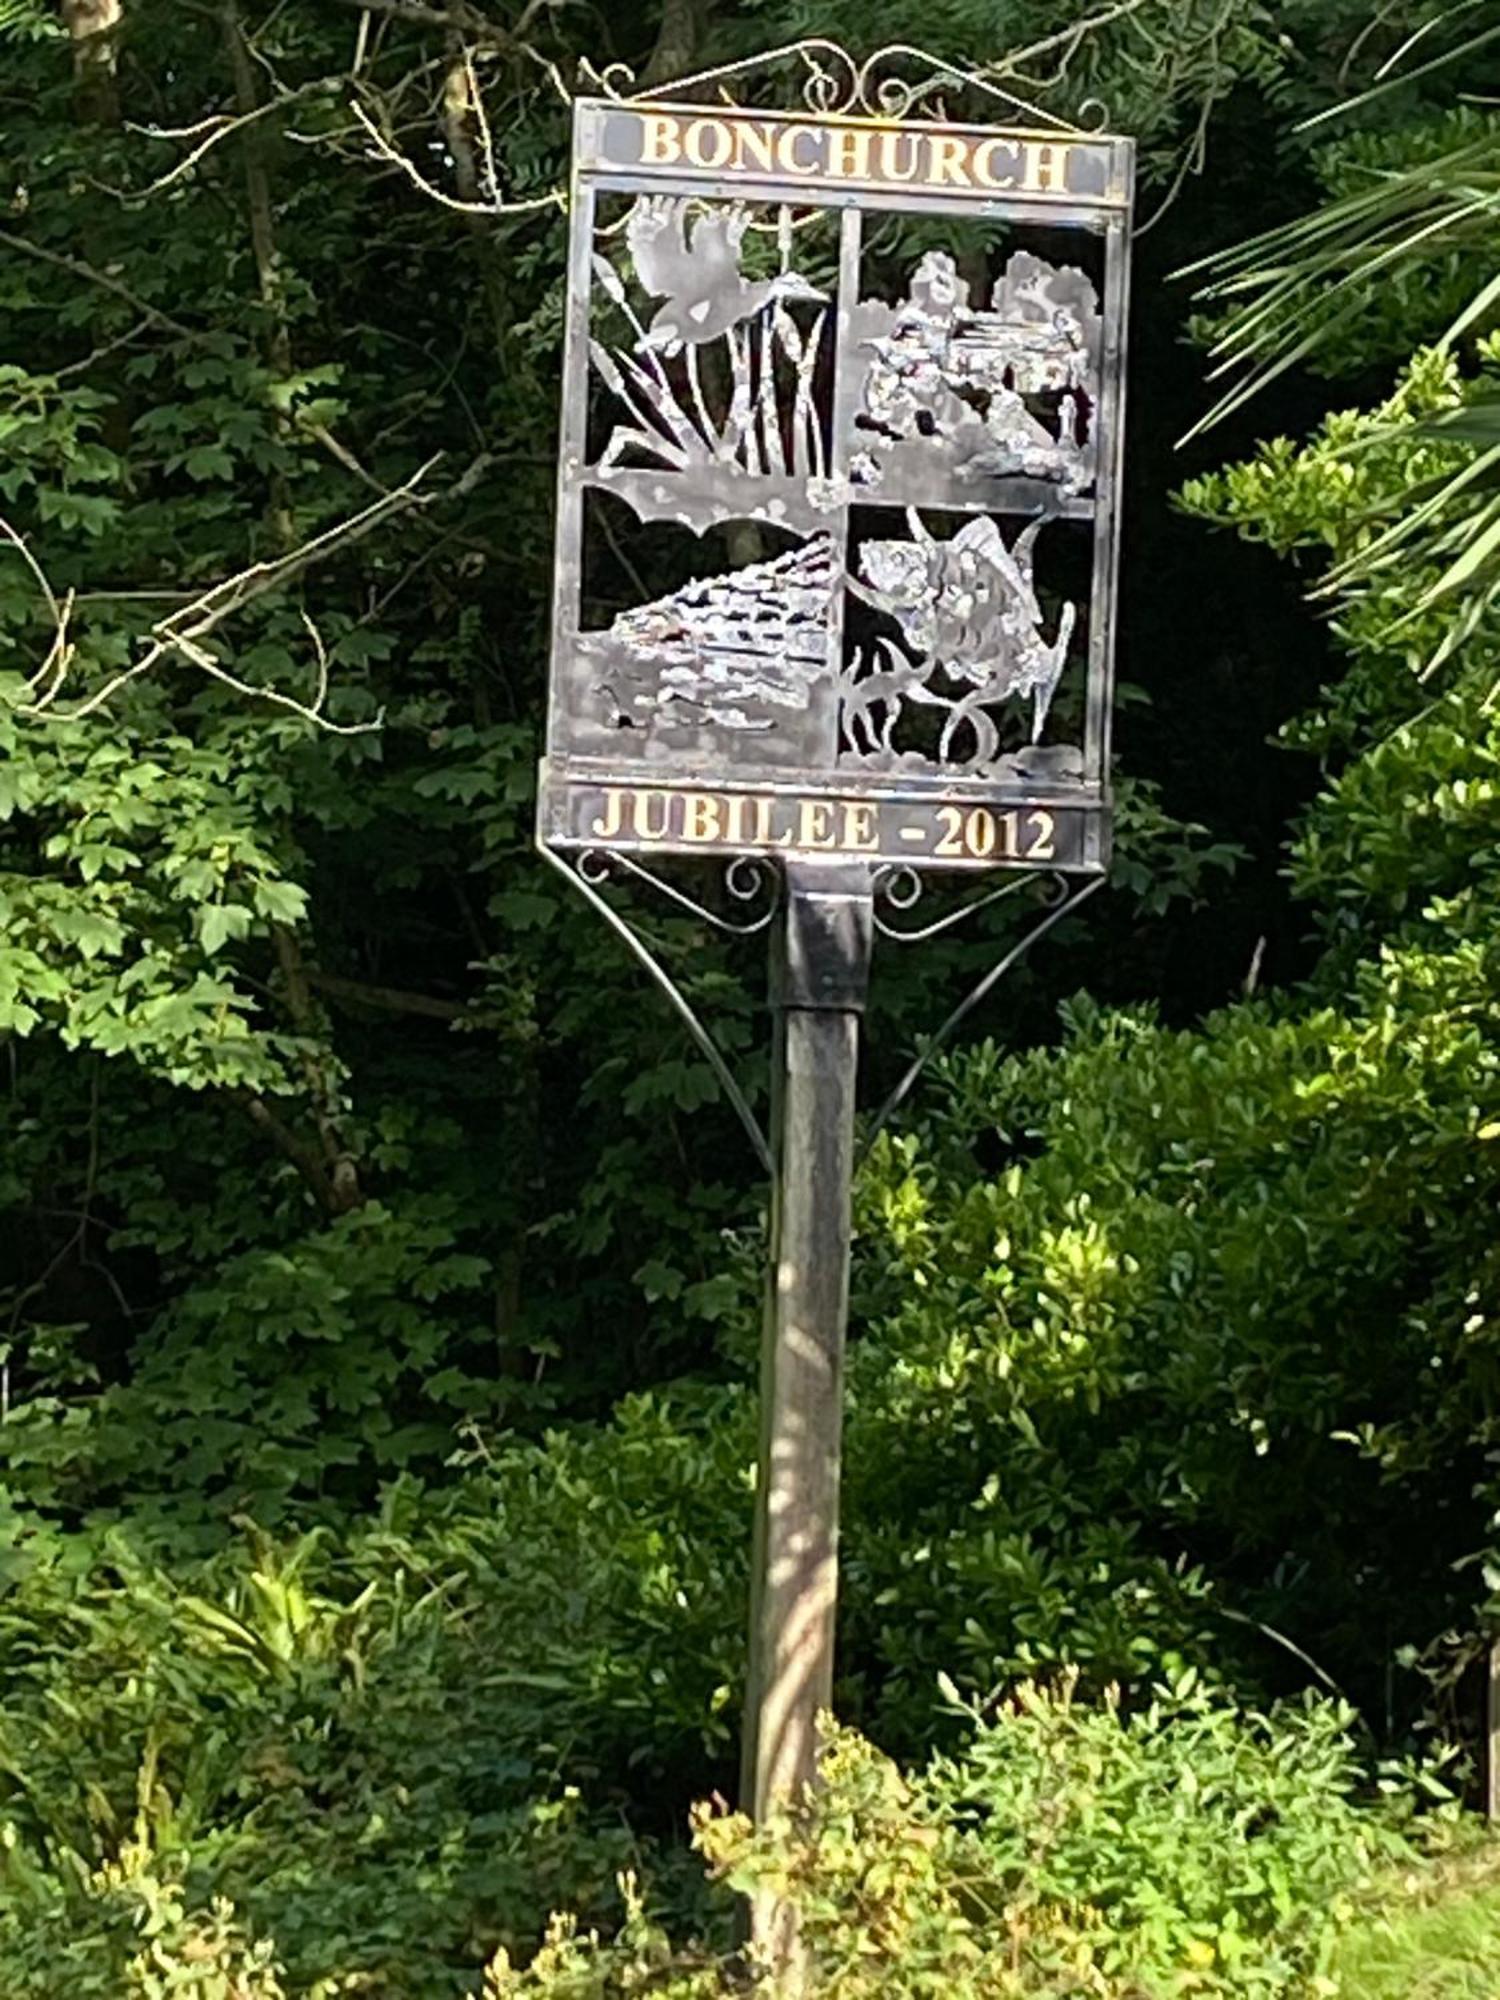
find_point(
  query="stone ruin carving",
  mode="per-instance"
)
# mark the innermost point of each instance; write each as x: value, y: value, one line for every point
x: 999, y: 392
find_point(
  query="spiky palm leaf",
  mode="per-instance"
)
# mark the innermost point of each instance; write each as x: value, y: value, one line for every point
x: 1291, y: 294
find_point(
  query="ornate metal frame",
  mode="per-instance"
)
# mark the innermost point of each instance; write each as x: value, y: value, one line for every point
x: 839, y: 84
x: 702, y: 221
x: 747, y: 880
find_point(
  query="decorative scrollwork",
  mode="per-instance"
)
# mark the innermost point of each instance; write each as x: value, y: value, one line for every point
x: 592, y: 868
x: 900, y: 897
x: 747, y: 879
x: 1061, y: 902
x: 837, y: 84
x: 899, y: 886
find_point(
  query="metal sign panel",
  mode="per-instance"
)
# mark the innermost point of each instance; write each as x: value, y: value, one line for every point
x: 864, y: 380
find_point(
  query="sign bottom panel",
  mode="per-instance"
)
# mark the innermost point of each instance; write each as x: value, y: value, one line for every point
x: 931, y: 832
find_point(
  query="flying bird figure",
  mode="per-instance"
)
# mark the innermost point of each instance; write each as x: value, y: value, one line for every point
x: 698, y: 273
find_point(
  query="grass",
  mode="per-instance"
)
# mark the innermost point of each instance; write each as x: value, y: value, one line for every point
x: 1437, y: 1939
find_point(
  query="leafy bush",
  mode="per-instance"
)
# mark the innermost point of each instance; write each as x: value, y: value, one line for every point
x: 1066, y: 1849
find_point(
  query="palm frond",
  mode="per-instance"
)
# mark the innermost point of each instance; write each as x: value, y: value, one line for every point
x: 1288, y: 296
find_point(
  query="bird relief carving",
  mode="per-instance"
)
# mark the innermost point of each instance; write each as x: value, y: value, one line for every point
x: 719, y: 383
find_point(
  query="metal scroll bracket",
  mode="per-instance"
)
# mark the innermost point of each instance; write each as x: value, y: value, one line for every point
x: 1061, y: 902
x: 745, y: 880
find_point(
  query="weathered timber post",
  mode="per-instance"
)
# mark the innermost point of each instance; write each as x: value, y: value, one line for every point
x: 820, y: 969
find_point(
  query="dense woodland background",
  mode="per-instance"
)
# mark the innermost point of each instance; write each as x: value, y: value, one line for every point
x: 379, y: 1264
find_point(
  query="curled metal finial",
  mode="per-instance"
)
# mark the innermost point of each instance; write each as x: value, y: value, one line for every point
x: 899, y: 886
x: 616, y: 80
x: 830, y: 85
x: 747, y: 879
x: 589, y: 869
x: 837, y: 84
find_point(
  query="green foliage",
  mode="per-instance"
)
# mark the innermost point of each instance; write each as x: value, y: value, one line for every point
x: 333, y: 1135
x: 1429, y: 1935
x: 1067, y: 1849
x: 1405, y: 231
x: 359, y: 1744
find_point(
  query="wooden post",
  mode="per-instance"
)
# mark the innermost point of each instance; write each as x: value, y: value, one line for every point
x: 821, y: 972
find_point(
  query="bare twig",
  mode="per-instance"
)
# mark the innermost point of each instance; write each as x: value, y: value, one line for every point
x: 76, y: 268
x: 220, y: 125
x: 183, y: 632
x: 1067, y: 39
x: 554, y: 198
x: 109, y: 347
x: 489, y: 172
x: 60, y: 652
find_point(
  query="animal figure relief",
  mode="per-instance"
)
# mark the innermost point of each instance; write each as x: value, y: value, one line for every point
x: 947, y: 382
x: 697, y: 272
x: 968, y: 613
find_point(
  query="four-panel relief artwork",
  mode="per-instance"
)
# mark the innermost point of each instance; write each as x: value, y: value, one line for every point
x: 869, y: 451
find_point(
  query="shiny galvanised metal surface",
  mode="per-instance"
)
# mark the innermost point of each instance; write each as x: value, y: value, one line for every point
x: 877, y: 617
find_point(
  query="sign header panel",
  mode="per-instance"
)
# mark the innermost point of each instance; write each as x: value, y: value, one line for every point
x: 837, y: 521
x: 835, y: 154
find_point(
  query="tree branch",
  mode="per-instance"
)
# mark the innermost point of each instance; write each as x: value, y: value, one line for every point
x: 676, y: 46
x: 554, y: 198
x: 459, y: 16
x: 389, y: 999
x: 340, y: 1169
x: 219, y: 126
x: 76, y: 268
x: 182, y: 632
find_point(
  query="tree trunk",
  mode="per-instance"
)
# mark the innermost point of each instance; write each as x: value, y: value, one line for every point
x: 94, y: 26
x: 276, y: 335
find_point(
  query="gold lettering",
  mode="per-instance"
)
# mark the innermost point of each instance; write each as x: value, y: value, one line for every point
x: 734, y: 817
x: 982, y: 168
x: 759, y: 140
x: 1046, y: 167
x: 951, y: 842
x: 609, y: 822
x: 849, y: 154
x: 890, y: 147
x: 786, y: 150
x: 761, y: 836
x: 815, y: 823
x: 641, y: 815
x: 1044, y: 826
x: 695, y: 142
x: 945, y: 161
x: 660, y: 146
x: 860, y: 835
x: 700, y: 817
